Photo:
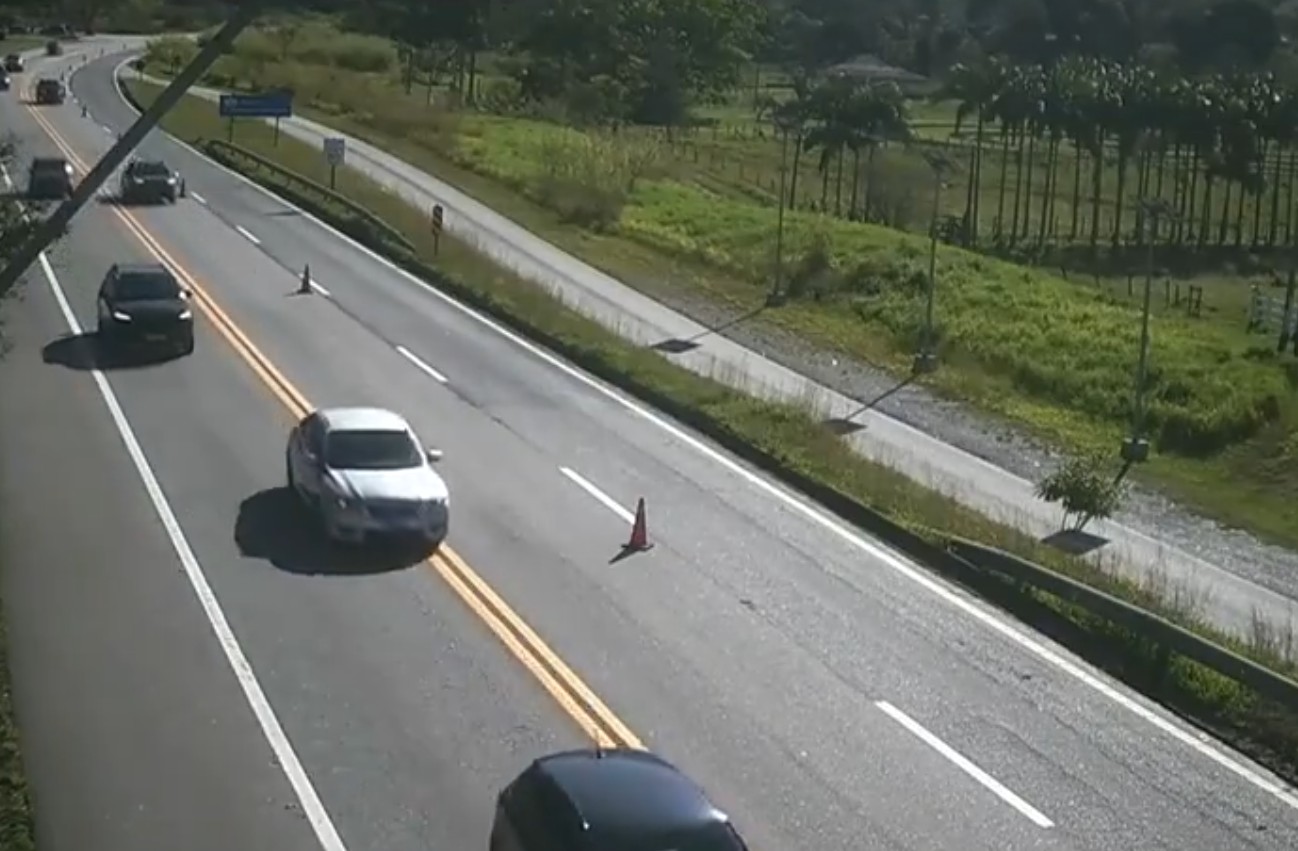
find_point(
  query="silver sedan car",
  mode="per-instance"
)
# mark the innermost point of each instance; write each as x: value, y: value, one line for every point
x: 364, y: 471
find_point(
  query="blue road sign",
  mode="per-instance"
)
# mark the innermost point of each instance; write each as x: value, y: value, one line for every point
x: 267, y: 105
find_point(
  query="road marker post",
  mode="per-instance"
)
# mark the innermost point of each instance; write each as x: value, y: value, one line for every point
x: 438, y: 219
x: 305, y: 287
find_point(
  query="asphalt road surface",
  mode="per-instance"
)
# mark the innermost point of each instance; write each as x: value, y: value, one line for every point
x: 826, y: 693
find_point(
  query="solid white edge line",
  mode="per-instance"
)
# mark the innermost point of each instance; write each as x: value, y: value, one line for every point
x: 324, y: 292
x: 603, y: 498
x: 288, y: 760
x: 199, y: 198
x: 419, y: 363
x: 964, y: 764
x: 247, y: 234
x: 1215, y: 753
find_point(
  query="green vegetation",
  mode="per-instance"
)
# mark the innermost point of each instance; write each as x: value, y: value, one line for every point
x: 790, y: 439
x: 688, y: 212
x: 16, y: 829
x: 16, y: 826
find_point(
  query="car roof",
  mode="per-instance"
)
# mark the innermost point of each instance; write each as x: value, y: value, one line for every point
x: 125, y: 269
x: 49, y: 161
x: 358, y: 418
x: 628, y: 792
x: 146, y: 161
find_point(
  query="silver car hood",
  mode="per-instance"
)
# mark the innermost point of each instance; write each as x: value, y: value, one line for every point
x: 415, y: 483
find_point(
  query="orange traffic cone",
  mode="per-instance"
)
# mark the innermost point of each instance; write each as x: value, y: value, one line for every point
x: 639, y: 531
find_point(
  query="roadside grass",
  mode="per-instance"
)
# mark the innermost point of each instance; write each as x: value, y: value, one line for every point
x: 17, y: 830
x: 16, y: 827
x: 793, y: 436
x: 1017, y: 342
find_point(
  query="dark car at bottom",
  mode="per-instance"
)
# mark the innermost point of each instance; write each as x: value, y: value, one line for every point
x: 608, y: 800
x: 49, y: 178
x: 143, y: 305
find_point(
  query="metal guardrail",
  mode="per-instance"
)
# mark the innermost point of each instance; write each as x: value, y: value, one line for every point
x: 219, y: 147
x: 1161, y: 631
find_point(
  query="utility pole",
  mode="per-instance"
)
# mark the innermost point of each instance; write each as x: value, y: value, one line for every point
x: 57, y: 224
x: 926, y: 359
x: 1135, y: 449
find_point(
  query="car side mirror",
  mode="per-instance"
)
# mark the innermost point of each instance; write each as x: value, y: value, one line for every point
x: 433, y: 455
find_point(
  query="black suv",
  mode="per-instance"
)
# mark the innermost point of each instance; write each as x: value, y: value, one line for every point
x: 14, y: 63
x: 151, y: 181
x: 49, y: 177
x: 144, y: 304
x: 50, y: 91
x: 608, y: 800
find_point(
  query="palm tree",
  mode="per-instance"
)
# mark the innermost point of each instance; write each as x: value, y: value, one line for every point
x: 974, y: 87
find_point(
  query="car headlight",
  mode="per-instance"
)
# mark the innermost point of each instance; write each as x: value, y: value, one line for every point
x: 185, y: 315
x: 121, y: 317
x: 171, y: 181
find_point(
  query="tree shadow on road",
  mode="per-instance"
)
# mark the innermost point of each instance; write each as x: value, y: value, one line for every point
x: 86, y: 351
x: 274, y: 526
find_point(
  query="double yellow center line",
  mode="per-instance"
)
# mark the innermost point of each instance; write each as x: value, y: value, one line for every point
x: 559, y: 680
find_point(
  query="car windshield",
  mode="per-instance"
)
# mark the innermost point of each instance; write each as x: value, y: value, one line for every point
x: 150, y: 170
x: 142, y: 286
x: 371, y: 450
x: 48, y: 165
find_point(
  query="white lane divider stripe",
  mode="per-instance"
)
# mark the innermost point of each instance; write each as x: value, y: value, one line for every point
x: 312, y: 807
x: 419, y: 363
x: 991, y: 783
x: 603, y: 498
x: 247, y: 234
x: 199, y: 198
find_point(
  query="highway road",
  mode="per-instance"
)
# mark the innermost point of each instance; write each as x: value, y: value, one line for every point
x: 1232, y: 577
x: 193, y: 670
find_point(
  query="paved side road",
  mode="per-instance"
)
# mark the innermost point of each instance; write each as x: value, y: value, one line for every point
x: 1232, y: 591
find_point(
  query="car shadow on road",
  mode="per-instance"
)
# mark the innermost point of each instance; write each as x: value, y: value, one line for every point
x: 86, y: 352
x: 274, y: 526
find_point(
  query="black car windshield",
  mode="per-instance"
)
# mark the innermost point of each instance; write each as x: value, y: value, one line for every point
x: 49, y: 165
x: 143, y: 286
x: 150, y: 170
x: 371, y: 450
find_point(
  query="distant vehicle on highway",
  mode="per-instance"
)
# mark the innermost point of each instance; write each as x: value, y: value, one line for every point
x: 142, y: 304
x: 608, y: 800
x: 53, y: 48
x: 5, y: 81
x: 49, y: 178
x: 14, y: 63
x: 365, y: 474
x: 50, y: 91
x: 150, y: 181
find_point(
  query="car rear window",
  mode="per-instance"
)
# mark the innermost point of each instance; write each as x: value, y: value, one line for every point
x: 371, y: 450
x: 151, y: 170
x: 141, y: 286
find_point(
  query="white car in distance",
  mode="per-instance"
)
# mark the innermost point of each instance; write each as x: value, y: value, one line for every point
x: 365, y: 473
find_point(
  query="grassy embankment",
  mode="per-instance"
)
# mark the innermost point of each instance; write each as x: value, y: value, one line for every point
x: 16, y: 826
x: 802, y: 444
x: 1019, y: 343
x: 15, y: 810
